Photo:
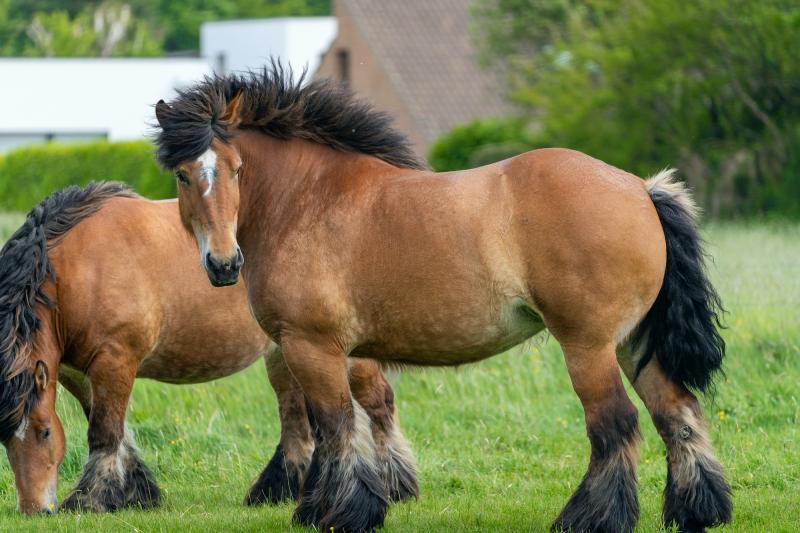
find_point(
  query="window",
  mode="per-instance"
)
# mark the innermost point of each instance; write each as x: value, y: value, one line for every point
x: 343, y: 57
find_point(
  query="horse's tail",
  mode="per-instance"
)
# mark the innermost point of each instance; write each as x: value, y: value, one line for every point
x: 681, y: 329
x: 24, y: 268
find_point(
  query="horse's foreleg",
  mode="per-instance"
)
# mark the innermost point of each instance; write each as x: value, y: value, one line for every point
x: 697, y: 495
x: 280, y: 479
x: 374, y: 393
x: 342, y: 490
x: 113, y: 476
x: 606, y: 500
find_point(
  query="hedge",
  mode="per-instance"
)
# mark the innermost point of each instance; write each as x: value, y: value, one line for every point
x: 29, y: 174
x: 481, y: 142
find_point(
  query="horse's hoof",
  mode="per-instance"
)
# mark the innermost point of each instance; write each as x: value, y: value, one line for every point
x: 278, y: 482
x: 141, y: 489
x: 601, y: 505
x: 79, y: 501
x: 400, y: 476
x: 705, y: 504
x: 308, y: 512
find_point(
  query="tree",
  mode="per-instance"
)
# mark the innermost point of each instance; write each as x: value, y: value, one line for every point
x: 710, y: 86
x: 126, y: 28
x: 105, y: 30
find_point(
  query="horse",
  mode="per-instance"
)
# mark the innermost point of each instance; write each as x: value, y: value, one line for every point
x: 354, y: 247
x: 100, y: 286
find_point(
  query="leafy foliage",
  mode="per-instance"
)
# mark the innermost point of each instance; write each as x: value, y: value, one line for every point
x: 29, y: 174
x: 710, y: 86
x: 180, y: 21
x: 480, y: 142
x: 61, y: 28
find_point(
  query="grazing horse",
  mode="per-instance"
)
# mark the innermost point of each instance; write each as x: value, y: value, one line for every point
x: 100, y: 286
x: 353, y: 247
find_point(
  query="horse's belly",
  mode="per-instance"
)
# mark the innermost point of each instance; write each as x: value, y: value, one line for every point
x: 456, y: 339
x: 202, y: 362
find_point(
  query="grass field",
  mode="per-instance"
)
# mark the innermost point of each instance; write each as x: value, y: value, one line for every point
x: 501, y: 444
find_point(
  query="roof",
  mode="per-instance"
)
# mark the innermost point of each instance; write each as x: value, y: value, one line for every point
x: 426, y: 51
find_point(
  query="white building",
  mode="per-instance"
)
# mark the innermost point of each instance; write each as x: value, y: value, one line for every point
x: 240, y: 45
x: 77, y: 99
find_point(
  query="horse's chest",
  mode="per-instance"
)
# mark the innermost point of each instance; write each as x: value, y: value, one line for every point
x: 306, y: 301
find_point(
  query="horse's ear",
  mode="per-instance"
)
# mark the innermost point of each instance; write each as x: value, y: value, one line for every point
x: 40, y: 375
x: 233, y: 111
x: 161, y: 112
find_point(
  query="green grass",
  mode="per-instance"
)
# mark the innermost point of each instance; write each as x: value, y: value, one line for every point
x: 501, y: 444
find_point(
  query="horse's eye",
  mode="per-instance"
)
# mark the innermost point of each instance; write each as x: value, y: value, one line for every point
x: 182, y: 177
x: 44, y: 434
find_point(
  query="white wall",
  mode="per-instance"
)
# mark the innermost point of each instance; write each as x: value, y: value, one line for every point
x: 248, y: 44
x: 70, y: 98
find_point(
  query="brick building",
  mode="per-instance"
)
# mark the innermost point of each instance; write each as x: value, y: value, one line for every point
x: 414, y: 59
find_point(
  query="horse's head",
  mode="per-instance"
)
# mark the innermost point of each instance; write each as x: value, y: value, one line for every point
x: 208, y: 195
x: 36, y: 448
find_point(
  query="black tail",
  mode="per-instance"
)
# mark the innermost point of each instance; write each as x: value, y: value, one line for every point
x: 24, y: 268
x: 681, y: 329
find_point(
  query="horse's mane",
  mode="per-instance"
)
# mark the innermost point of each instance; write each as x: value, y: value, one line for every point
x: 322, y: 111
x: 24, y: 268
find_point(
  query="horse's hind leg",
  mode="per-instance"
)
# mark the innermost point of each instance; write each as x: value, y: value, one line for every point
x: 343, y: 489
x: 697, y: 495
x: 78, y: 385
x: 375, y: 395
x: 280, y: 479
x: 605, y: 501
x: 113, y: 477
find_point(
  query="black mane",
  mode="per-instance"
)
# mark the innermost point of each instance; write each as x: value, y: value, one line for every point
x: 322, y: 111
x: 24, y: 268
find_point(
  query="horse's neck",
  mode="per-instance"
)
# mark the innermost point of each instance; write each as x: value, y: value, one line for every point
x: 48, y: 344
x: 284, y: 181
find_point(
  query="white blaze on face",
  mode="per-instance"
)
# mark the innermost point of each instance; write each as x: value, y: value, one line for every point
x: 202, y: 243
x: 20, y: 432
x: 208, y: 168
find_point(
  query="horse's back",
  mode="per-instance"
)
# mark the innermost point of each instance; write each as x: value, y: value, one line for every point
x: 551, y: 234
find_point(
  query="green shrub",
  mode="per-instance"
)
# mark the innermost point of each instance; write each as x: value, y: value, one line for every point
x: 481, y: 142
x: 29, y: 174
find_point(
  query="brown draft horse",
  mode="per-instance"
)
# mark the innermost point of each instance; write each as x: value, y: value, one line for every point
x: 353, y: 247
x: 100, y: 286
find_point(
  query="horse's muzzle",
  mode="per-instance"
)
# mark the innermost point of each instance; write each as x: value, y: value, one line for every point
x: 222, y: 272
